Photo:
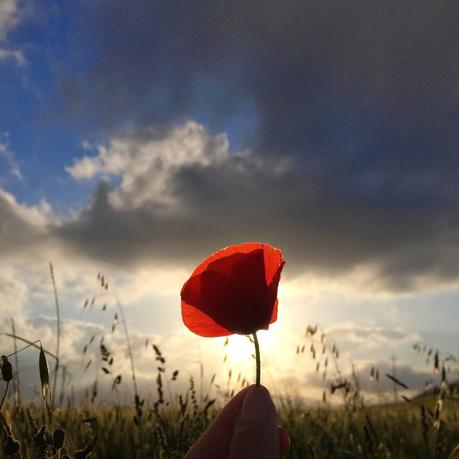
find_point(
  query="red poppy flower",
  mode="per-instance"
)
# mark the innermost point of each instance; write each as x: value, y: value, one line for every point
x: 233, y: 291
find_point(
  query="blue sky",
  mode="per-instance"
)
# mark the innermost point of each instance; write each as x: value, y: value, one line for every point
x: 42, y: 136
x: 138, y: 137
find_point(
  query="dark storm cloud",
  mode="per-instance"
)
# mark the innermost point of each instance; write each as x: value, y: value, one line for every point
x: 326, y: 78
x: 361, y: 98
x: 234, y: 198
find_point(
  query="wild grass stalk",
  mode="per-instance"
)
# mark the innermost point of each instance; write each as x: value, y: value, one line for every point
x: 58, y: 334
x: 104, y: 284
x: 16, y: 380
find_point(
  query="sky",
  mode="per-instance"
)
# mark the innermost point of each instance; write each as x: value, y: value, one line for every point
x: 136, y: 138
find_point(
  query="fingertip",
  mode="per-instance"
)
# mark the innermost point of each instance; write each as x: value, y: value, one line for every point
x: 255, y: 433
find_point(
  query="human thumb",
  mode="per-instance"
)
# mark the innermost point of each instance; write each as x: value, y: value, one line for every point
x: 255, y: 433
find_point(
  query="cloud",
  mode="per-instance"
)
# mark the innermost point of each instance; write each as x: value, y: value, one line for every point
x: 177, y: 194
x: 346, y: 113
x: 147, y: 161
x: 350, y: 167
x: 10, y: 15
x: 414, y: 378
x: 350, y: 335
x: 8, y: 155
x: 15, y: 55
x: 13, y: 294
x: 23, y: 229
x: 170, y: 196
x: 364, y: 93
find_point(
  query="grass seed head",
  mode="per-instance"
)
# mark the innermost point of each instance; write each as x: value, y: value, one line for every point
x: 6, y: 369
x: 44, y: 369
x: 44, y: 380
x: 58, y: 438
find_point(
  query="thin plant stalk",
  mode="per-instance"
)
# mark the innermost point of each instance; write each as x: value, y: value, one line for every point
x: 16, y: 351
x: 16, y: 384
x: 58, y: 334
x: 114, y: 294
x: 257, y: 358
x: 44, y: 372
x: 335, y: 362
x: 4, y: 394
x: 128, y: 342
x: 63, y: 380
x: 35, y: 344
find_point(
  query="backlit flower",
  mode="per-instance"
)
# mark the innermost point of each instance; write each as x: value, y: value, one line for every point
x: 233, y: 291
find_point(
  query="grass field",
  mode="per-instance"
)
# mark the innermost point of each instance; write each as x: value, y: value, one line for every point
x: 391, y: 431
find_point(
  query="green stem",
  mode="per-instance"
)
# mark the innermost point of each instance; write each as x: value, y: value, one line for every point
x: 257, y: 358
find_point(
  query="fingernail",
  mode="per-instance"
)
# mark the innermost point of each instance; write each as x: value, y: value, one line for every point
x: 257, y: 405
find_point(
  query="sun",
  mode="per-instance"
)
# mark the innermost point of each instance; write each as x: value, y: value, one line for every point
x: 239, y: 348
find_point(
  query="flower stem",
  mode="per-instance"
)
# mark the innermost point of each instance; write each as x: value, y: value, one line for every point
x: 257, y: 358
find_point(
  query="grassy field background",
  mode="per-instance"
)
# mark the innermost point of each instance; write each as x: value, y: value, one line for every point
x: 391, y: 431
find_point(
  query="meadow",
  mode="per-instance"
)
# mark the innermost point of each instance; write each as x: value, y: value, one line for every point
x: 165, y: 431
x: 164, y: 425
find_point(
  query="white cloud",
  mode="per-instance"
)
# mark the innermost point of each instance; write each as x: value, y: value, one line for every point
x: 13, y: 293
x: 7, y: 154
x: 10, y: 15
x: 24, y: 233
x: 351, y: 335
x: 35, y: 216
x: 146, y: 162
x: 15, y: 55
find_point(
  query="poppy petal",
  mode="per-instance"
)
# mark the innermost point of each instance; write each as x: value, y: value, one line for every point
x: 200, y: 323
x: 274, y: 314
x: 273, y: 262
x: 233, y: 291
x: 245, y: 247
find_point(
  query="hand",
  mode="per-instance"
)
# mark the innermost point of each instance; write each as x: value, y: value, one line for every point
x: 245, y: 429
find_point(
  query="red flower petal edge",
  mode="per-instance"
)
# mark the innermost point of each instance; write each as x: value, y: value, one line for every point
x: 233, y: 291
